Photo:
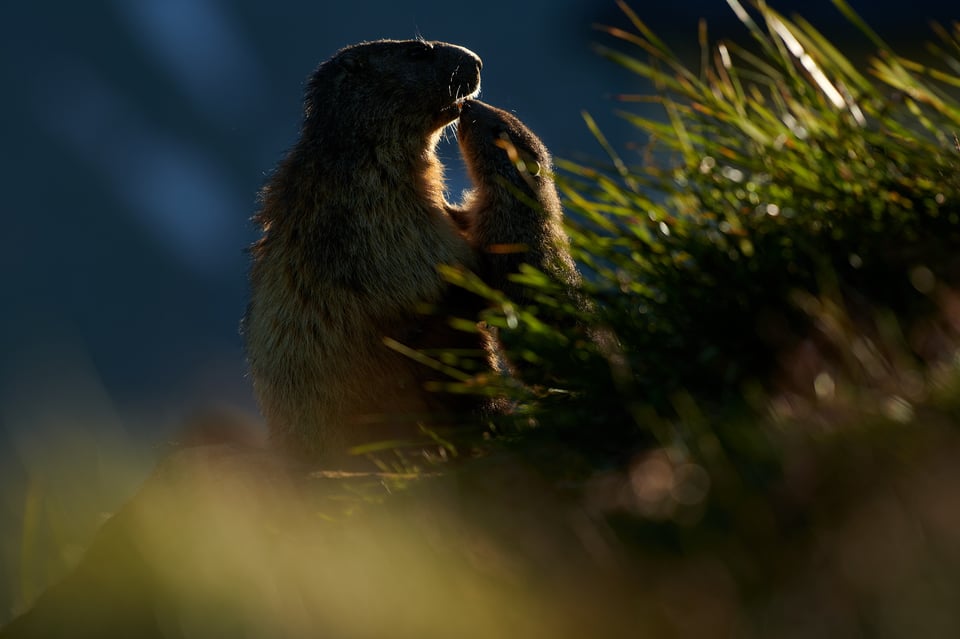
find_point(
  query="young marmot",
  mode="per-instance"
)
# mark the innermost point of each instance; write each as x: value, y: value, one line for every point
x: 354, y: 225
x: 513, y: 214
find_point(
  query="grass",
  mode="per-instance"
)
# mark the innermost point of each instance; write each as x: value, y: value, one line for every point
x: 768, y: 379
x: 795, y: 176
x: 786, y: 202
x: 746, y: 425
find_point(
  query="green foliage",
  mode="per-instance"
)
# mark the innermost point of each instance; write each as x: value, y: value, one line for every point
x: 782, y: 182
x: 794, y: 172
x: 768, y: 342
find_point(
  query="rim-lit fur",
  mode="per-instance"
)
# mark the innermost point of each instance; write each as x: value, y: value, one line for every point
x: 513, y: 212
x: 354, y: 225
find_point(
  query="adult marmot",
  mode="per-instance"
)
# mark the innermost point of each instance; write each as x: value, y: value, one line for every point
x: 354, y: 225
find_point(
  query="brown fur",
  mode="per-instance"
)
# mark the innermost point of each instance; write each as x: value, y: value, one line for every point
x: 354, y: 226
x: 513, y: 215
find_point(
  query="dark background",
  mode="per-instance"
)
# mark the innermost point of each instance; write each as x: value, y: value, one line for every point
x: 136, y: 133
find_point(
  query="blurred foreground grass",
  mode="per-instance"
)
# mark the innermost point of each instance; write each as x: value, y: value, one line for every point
x: 750, y: 426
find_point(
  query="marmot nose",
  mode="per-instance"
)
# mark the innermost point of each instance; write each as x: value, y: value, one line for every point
x: 473, y: 56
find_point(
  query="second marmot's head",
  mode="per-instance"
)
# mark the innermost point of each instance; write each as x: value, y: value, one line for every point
x: 500, y: 151
x: 386, y: 89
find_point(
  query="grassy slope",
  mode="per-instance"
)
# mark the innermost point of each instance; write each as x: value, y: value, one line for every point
x: 768, y: 391
x: 750, y: 427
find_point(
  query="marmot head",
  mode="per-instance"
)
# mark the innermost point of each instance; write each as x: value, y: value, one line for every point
x: 389, y: 90
x: 499, y: 148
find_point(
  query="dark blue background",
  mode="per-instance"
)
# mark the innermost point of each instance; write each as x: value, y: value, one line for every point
x: 136, y: 133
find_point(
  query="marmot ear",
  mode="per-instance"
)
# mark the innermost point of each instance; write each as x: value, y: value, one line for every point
x: 351, y: 63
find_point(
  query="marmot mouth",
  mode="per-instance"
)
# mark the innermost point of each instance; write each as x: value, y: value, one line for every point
x: 452, y: 112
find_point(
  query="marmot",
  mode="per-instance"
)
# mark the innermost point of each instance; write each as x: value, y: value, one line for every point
x: 513, y: 214
x: 354, y: 225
